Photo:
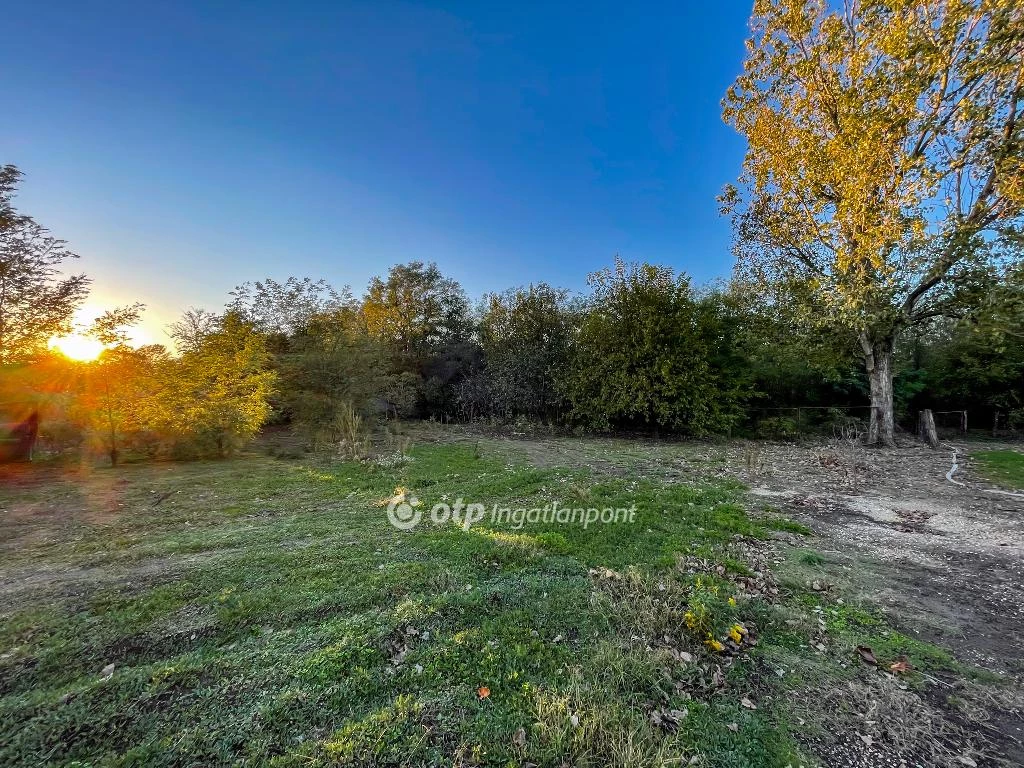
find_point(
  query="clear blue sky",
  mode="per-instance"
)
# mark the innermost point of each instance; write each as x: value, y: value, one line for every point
x: 185, y: 147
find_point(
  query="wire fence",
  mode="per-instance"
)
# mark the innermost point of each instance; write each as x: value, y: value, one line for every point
x: 789, y: 421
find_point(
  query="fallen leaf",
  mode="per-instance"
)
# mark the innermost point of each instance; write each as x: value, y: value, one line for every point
x: 867, y: 655
x: 745, y: 702
x: 483, y: 691
x: 866, y: 738
x: 107, y: 672
x: 668, y: 719
x: 965, y: 760
x: 686, y: 657
x: 733, y: 727
x: 519, y: 737
x: 901, y: 666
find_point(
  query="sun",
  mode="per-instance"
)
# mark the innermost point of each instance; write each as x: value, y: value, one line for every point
x: 77, y: 347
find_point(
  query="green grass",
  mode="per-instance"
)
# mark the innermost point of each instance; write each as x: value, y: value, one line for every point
x: 1002, y: 467
x: 264, y: 612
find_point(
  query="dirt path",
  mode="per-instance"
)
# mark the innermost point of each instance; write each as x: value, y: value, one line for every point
x: 945, y: 560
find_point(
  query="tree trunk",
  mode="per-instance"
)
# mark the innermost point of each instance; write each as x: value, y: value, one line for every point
x: 878, y: 361
x: 926, y: 428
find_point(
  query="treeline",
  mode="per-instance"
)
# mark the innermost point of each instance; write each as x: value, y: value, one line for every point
x: 643, y: 351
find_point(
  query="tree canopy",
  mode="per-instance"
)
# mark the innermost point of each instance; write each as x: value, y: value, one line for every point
x: 884, y: 163
x: 36, y: 302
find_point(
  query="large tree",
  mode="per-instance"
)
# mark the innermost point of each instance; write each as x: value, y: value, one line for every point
x: 36, y: 301
x: 416, y: 309
x: 884, y: 163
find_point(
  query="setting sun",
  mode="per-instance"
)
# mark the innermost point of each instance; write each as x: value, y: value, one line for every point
x: 77, y: 347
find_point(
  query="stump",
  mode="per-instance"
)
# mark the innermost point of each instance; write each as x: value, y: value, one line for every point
x: 926, y: 428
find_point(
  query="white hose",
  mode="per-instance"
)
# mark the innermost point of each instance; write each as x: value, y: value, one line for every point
x: 955, y: 467
x: 952, y: 471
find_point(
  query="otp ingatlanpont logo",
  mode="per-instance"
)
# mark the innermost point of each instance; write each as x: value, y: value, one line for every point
x: 403, y: 510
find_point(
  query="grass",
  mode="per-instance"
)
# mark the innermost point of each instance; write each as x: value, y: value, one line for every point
x: 264, y: 612
x: 1004, y: 467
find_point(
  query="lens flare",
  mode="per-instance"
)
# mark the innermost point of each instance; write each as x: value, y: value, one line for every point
x: 77, y: 347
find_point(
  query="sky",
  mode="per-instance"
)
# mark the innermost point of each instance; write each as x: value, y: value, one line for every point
x: 183, y: 148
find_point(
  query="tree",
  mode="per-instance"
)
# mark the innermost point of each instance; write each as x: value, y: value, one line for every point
x: 334, y: 367
x: 217, y: 394
x: 650, y: 354
x: 35, y: 302
x: 118, y: 381
x: 416, y: 310
x: 194, y: 326
x: 525, y: 335
x: 422, y: 320
x: 286, y: 308
x: 884, y: 162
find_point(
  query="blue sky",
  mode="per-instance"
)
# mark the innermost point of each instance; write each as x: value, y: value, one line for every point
x: 183, y: 148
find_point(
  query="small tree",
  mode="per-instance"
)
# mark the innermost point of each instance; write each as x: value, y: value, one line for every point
x: 119, y: 385
x: 216, y: 395
x: 525, y: 335
x: 334, y: 369
x: 884, y: 161
x: 35, y: 302
x: 651, y: 354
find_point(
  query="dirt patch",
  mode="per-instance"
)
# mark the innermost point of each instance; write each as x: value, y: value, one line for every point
x: 944, y: 560
x: 65, y: 582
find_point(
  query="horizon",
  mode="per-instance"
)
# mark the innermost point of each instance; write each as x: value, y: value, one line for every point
x: 215, y: 147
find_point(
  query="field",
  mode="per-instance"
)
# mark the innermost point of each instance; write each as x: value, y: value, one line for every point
x: 263, y: 611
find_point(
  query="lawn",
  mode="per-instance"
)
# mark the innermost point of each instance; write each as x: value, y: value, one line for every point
x: 1003, y: 467
x: 264, y: 611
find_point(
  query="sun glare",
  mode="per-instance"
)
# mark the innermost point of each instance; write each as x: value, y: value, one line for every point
x: 77, y: 347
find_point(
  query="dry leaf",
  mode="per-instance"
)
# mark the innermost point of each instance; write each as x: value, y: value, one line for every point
x: 733, y: 727
x: 867, y: 655
x: 483, y: 691
x: 901, y: 666
x: 866, y: 738
x: 668, y: 719
x: 519, y: 737
x: 747, y: 703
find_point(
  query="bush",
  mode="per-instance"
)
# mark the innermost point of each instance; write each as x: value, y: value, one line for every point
x: 777, y: 428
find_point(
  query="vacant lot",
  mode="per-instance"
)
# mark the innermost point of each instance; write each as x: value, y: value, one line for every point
x: 264, y: 611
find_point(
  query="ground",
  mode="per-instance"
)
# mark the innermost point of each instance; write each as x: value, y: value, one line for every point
x: 263, y: 610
